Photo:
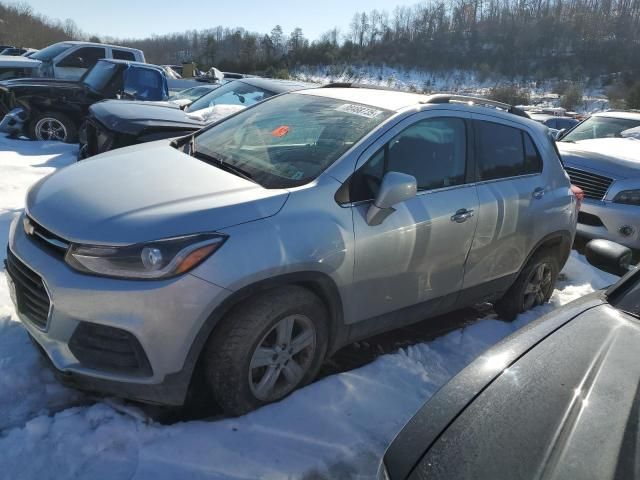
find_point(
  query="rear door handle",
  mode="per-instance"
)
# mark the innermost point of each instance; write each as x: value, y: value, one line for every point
x: 538, y: 193
x: 462, y: 215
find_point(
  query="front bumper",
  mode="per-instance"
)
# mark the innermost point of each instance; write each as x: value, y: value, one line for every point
x: 164, y: 316
x: 14, y: 121
x: 608, y: 220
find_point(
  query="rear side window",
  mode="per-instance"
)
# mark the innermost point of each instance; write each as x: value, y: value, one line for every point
x: 85, y: 57
x: 432, y: 150
x: 504, y: 152
x: 123, y: 55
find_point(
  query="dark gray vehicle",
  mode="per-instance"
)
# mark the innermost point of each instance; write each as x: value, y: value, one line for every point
x: 558, y: 399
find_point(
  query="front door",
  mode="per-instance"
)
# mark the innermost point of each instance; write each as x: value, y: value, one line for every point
x: 416, y: 256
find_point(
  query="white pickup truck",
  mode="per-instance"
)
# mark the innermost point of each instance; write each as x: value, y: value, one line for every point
x: 64, y: 60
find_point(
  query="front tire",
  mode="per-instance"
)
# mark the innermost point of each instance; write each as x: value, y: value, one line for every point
x: 53, y: 126
x: 532, y: 288
x: 266, y: 348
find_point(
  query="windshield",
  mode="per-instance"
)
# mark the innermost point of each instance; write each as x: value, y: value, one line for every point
x: 289, y: 140
x: 98, y: 76
x: 233, y: 93
x: 600, y: 127
x: 51, y: 51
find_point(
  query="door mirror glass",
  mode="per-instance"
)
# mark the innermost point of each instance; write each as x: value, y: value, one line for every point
x: 395, y: 188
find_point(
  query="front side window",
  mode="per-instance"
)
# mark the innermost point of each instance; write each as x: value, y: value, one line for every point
x: 233, y: 93
x: 289, y: 140
x: 51, y: 51
x: 504, y: 152
x: 85, y: 57
x: 432, y: 150
x: 600, y: 127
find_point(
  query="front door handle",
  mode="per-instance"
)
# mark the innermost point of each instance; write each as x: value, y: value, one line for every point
x: 538, y: 193
x: 462, y: 215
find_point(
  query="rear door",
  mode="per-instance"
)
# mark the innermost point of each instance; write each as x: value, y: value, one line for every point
x: 513, y: 197
x: 416, y: 256
x: 75, y: 63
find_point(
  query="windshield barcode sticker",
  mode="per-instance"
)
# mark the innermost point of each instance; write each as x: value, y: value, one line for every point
x: 360, y: 110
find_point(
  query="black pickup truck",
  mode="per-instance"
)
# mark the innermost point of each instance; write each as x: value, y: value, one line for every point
x: 51, y: 109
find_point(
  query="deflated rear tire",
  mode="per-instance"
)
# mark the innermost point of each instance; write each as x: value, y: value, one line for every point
x: 532, y: 288
x: 266, y: 348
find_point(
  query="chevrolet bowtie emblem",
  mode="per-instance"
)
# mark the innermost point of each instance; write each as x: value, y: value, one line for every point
x: 28, y: 227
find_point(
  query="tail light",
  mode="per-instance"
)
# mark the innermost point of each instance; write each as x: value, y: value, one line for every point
x: 579, y: 193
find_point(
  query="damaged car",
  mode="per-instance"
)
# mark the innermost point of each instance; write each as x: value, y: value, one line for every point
x: 51, y: 109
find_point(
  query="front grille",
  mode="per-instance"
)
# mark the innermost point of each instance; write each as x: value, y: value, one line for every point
x: 594, y: 186
x: 31, y: 294
x: 44, y: 237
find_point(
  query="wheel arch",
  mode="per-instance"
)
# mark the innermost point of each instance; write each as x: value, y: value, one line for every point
x: 319, y: 283
x: 558, y: 242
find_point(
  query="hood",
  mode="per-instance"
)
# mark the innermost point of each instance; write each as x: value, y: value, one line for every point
x: 43, y: 86
x: 132, y: 117
x: 613, y: 157
x: 568, y: 408
x: 10, y: 61
x: 143, y: 193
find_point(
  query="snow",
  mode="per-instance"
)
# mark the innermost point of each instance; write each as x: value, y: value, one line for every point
x: 214, y: 113
x: 458, y: 81
x: 337, y: 427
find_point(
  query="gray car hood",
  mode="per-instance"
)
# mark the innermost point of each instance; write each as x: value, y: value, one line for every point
x: 146, y: 192
x: 613, y: 157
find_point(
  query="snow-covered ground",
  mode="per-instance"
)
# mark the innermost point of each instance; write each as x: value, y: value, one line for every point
x: 335, y: 428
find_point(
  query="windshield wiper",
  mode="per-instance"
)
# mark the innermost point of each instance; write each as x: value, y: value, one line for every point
x: 218, y: 162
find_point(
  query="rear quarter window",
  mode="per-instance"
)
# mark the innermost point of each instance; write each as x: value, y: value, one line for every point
x: 503, y: 152
x: 123, y: 55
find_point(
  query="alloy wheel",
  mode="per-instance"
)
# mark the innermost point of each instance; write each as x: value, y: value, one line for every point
x: 49, y: 128
x: 282, y: 358
x: 538, y: 286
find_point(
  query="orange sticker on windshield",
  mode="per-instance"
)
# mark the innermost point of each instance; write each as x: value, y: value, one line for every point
x: 280, y: 131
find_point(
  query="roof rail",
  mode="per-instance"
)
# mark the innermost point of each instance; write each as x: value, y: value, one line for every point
x: 447, y: 98
x: 357, y: 85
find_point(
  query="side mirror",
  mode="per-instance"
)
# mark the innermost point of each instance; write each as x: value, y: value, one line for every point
x: 396, y: 188
x: 609, y: 256
x: 129, y: 93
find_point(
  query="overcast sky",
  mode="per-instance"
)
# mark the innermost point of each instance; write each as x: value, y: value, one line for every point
x: 141, y: 18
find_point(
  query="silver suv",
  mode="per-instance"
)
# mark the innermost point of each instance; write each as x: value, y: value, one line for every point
x: 253, y: 249
x: 601, y: 156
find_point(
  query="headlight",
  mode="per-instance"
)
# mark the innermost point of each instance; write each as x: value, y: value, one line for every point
x: 630, y: 197
x: 149, y: 260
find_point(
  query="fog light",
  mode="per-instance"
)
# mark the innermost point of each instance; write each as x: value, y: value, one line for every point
x: 626, y: 230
